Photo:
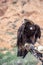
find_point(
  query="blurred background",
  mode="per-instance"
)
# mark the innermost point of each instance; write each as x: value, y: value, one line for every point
x: 12, y: 13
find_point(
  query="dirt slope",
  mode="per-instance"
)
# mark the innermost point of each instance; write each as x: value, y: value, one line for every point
x: 12, y: 13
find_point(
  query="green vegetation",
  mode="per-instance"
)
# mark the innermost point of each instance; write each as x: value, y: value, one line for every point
x: 12, y: 59
x: 3, y: 49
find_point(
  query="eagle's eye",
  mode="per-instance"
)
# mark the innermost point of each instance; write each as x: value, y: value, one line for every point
x: 31, y: 28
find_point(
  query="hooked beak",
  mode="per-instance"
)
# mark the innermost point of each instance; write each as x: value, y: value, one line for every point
x: 32, y: 39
